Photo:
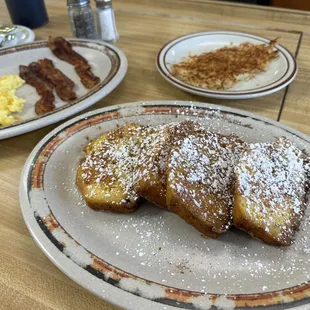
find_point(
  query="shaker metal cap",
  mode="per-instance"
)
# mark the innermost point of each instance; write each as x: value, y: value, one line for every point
x: 78, y: 2
x: 103, y: 3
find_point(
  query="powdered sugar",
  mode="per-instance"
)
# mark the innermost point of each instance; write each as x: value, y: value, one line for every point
x: 272, y: 178
x: 152, y: 158
x: 201, y: 175
x: 233, y: 263
x: 109, y: 165
x: 151, y: 173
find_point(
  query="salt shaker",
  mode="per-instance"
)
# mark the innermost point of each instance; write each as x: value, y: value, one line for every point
x: 106, y: 25
x: 82, y: 19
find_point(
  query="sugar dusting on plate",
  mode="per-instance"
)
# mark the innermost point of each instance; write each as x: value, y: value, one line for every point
x: 163, y: 248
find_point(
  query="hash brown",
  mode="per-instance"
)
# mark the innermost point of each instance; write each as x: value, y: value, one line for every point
x: 223, y: 68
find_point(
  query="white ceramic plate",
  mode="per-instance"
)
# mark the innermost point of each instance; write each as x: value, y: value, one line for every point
x: 152, y: 259
x: 280, y: 73
x: 22, y: 35
x: 107, y: 62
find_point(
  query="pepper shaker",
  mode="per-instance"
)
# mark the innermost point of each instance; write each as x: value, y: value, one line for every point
x: 106, y: 25
x: 82, y: 19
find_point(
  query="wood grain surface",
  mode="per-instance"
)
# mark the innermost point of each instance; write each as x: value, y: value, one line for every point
x: 28, y: 279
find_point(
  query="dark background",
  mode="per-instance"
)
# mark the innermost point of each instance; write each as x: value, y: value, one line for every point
x: 262, y: 2
x: 288, y: 4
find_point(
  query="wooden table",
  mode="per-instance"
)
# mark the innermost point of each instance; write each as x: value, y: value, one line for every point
x: 28, y: 279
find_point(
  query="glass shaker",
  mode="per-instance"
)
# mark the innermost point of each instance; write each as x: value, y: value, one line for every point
x: 106, y: 25
x: 82, y: 19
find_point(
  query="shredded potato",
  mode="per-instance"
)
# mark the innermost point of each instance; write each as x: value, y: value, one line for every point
x: 223, y: 68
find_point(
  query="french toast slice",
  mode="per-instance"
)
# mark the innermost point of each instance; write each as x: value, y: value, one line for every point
x: 200, y: 182
x: 105, y: 176
x: 151, y: 171
x: 271, y: 191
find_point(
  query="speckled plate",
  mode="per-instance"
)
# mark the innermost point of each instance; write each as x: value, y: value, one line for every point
x: 152, y: 259
x: 108, y: 62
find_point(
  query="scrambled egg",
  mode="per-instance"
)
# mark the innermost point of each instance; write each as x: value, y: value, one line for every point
x: 9, y: 103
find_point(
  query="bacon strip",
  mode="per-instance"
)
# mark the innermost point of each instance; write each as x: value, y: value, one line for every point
x: 63, y: 50
x: 88, y: 79
x: 46, y: 103
x: 63, y: 85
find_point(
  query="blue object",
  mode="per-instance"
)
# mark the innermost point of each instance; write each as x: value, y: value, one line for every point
x: 29, y: 13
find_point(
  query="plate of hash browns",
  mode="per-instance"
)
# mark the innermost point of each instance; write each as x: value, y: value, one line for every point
x: 46, y: 81
x: 227, y: 65
x: 175, y: 205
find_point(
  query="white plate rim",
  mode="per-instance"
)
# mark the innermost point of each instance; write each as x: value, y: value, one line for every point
x: 165, y: 72
x: 70, y: 108
x: 118, y: 296
x: 30, y: 36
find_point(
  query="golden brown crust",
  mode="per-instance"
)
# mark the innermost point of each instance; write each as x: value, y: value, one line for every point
x: 270, y: 193
x: 199, y: 175
x: 245, y: 222
x: 105, y: 176
x: 181, y: 207
x: 200, y: 180
x: 151, y: 170
x: 149, y: 179
x: 153, y: 191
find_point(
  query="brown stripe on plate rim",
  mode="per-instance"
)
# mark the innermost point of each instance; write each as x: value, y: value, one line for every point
x: 174, y: 296
x: 115, y: 65
x: 230, y: 93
